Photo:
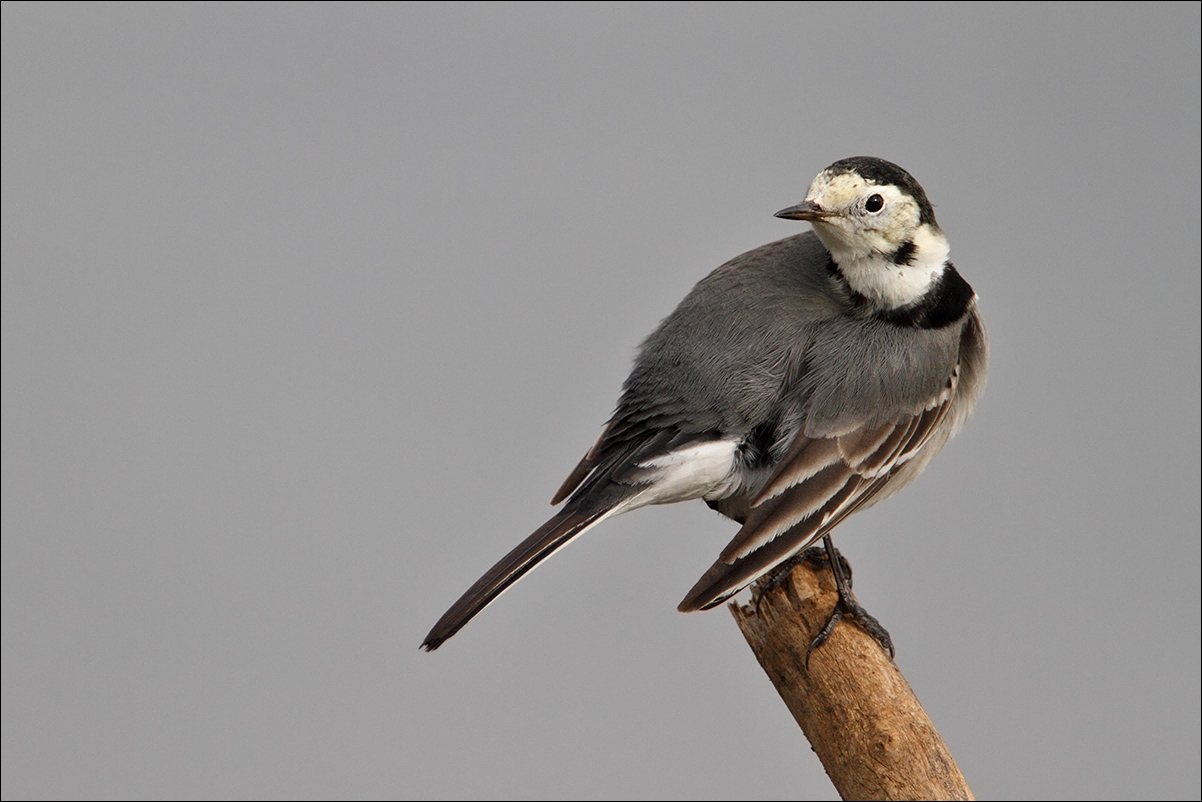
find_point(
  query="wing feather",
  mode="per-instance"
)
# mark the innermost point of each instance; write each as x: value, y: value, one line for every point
x: 819, y: 483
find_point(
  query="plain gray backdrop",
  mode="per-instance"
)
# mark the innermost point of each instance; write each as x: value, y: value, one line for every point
x: 308, y: 310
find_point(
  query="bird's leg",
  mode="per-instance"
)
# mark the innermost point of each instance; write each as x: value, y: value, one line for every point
x: 847, y: 605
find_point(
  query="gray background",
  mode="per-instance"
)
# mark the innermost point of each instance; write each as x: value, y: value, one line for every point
x: 307, y: 311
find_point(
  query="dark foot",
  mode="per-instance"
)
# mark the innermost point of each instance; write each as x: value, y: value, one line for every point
x: 815, y: 555
x: 851, y: 609
x: 847, y: 606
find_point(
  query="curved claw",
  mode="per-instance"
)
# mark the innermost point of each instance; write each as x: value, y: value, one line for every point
x: 814, y: 554
x: 866, y: 621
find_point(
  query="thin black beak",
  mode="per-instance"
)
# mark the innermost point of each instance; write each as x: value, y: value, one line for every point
x: 806, y: 210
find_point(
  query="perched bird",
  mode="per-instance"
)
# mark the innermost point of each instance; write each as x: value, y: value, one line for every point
x: 797, y: 383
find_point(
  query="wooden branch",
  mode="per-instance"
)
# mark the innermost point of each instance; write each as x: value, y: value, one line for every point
x: 855, y: 707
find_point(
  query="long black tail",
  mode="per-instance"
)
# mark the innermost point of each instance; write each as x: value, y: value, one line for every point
x: 546, y: 540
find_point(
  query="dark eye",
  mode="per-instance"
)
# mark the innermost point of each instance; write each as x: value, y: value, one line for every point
x: 874, y: 204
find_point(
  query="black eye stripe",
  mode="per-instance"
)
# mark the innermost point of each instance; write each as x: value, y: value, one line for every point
x: 874, y: 204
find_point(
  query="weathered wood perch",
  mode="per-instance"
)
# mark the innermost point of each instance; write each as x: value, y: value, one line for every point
x: 852, y: 703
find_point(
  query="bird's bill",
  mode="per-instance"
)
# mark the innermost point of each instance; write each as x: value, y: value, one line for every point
x: 806, y: 210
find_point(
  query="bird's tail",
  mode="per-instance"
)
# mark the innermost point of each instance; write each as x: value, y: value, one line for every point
x: 549, y: 538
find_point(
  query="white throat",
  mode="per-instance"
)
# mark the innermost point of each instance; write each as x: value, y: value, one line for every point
x: 889, y: 285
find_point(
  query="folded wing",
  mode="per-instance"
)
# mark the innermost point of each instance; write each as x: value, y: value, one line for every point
x: 820, y: 481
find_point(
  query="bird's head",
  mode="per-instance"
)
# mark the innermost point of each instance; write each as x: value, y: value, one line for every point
x: 864, y: 207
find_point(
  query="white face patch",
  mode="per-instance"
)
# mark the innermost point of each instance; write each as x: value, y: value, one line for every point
x: 857, y: 228
x: 868, y: 223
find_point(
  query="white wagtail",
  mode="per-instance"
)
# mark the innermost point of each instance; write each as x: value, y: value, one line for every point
x: 794, y: 385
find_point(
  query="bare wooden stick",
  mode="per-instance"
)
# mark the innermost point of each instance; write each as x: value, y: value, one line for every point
x: 852, y: 702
